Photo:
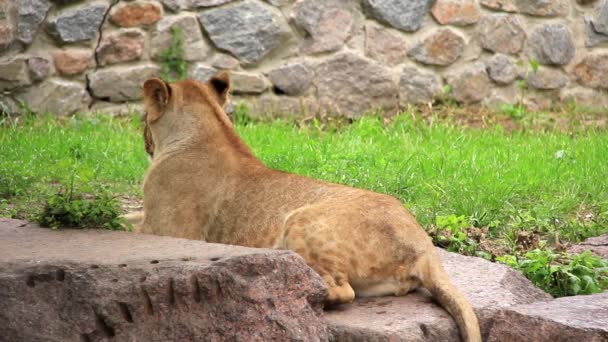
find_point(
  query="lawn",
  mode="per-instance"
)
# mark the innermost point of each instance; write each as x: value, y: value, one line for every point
x: 493, y: 192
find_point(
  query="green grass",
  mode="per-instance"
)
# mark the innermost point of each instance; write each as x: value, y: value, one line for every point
x: 492, y: 192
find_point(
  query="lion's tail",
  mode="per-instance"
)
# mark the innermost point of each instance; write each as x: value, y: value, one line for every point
x: 434, y: 278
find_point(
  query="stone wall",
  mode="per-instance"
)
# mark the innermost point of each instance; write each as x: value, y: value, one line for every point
x: 345, y: 57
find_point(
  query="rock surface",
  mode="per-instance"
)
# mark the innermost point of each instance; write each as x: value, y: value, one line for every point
x: 501, y: 33
x: 136, y: 13
x: 31, y: 15
x: 488, y: 286
x: 597, y: 245
x: 57, y: 97
x: 121, y: 83
x: 178, y: 5
x: 73, y: 61
x: 351, y: 85
x: 501, y: 69
x: 246, y: 29
x: 551, y: 44
x: 201, y: 72
x: 14, y: 73
x: 121, y: 46
x: 40, y: 67
x: 384, y: 44
x: 194, y: 45
x: 591, y: 71
x: 126, y: 286
x: 78, y: 23
x: 442, y: 47
x: 579, y: 318
x: 541, y: 8
x: 417, y: 86
x: 248, y: 83
x: 456, y: 12
x: 469, y: 84
x: 404, y: 15
x: 291, y: 79
x: 547, y: 79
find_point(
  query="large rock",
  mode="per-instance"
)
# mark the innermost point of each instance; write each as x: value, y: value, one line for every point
x: 470, y: 83
x: 385, y: 45
x: 597, y: 245
x: 541, y: 8
x: 79, y: 23
x: 248, y: 83
x: 351, y: 85
x: 599, y: 22
x: 40, y: 67
x: 501, y: 33
x: 501, y: 69
x: 592, y: 71
x: 501, y: 5
x: 8, y: 25
x: 443, y: 47
x: 121, y: 83
x: 586, y: 98
x: 551, y: 44
x: 247, y: 30
x: 136, y: 13
x: 57, y: 97
x: 201, y: 72
x: 579, y: 318
x: 489, y: 287
x: 327, y: 23
x: 404, y: 15
x: 75, y: 285
x: 291, y: 79
x: 593, y: 38
x: 194, y: 45
x: 14, y: 73
x: 417, y: 86
x: 31, y: 14
x: 121, y: 46
x: 547, y: 79
x: 73, y: 61
x: 456, y: 12
x: 180, y: 5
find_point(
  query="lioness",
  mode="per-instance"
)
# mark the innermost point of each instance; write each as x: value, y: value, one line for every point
x: 204, y: 183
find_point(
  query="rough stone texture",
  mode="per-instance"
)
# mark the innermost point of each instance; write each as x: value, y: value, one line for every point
x: 415, y: 317
x: 179, y: 5
x: 269, y: 105
x: 279, y: 3
x: 327, y: 23
x: 201, y: 72
x: 501, y: 33
x: 124, y: 109
x: 73, y: 61
x: 404, y: 15
x: 385, y: 45
x: 591, y: 71
x: 469, y: 84
x: 136, y: 13
x: 599, y: 22
x: 31, y: 15
x: 126, y: 287
x: 40, y: 67
x: 248, y: 83
x: 443, y: 47
x: 291, y: 79
x: 121, y: 46
x: 541, y: 8
x: 501, y: 69
x: 417, y: 86
x: 551, y: 44
x: 593, y: 38
x: 78, y: 23
x: 547, y: 79
x: 579, y: 318
x: 247, y: 30
x: 195, y: 46
x: 597, y: 245
x: 58, y: 97
x: 14, y: 73
x: 8, y: 25
x: 350, y: 85
x: 223, y: 61
x: 456, y: 12
x: 585, y: 97
x: 121, y: 83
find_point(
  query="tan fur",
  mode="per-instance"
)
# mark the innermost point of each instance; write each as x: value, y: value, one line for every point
x: 204, y: 183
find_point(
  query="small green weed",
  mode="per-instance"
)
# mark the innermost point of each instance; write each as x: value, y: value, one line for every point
x: 518, y: 111
x: 562, y: 274
x: 174, y: 65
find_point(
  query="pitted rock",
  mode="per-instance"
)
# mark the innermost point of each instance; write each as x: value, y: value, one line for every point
x: 469, y: 84
x: 57, y: 97
x: 403, y: 15
x: 547, y: 79
x: 501, y: 69
x: 136, y: 13
x: 180, y: 5
x: 248, y: 83
x: 443, y: 47
x: 291, y: 79
x: 543, y: 8
x: 121, y: 83
x: 201, y: 72
x: 501, y: 33
x: 247, y: 30
x: 417, y: 86
x: 73, y: 61
x: 79, y: 23
x: 40, y: 67
x: 551, y: 44
x: 121, y: 46
x: 597, y: 245
x: 456, y: 12
x: 591, y: 71
x: 195, y: 46
x: 14, y: 73
x: 384, y: 44
x: 31, y: 15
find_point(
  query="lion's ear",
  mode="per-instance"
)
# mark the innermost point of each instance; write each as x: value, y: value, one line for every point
x: 221, y: 84
x: 156, y: 97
